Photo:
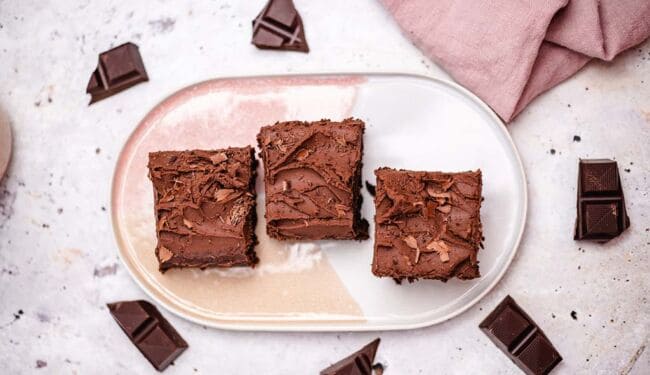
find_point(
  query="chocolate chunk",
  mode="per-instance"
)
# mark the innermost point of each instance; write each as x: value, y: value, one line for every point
x: 279, y: 27
x: 427, y: 224
x: 517, y: 335
x: 205, y: 207
x: 312, y: 179
x: 149, y: 331
x: 371, y: 188
x: 601, y: 213
x: 117, y: 70
x: 358, y: 363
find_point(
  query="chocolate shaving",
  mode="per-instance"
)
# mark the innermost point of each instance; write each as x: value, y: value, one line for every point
x: 223, y: 194
x: 218, y: 158
x: 164, y: 254
x: 439, y: 247
x: 413, y: 244
x: 302, y: 155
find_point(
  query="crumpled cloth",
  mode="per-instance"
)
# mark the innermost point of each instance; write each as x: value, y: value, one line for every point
x: 510, y: 51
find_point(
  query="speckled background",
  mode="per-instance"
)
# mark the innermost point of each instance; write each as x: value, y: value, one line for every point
x: 58, y: 261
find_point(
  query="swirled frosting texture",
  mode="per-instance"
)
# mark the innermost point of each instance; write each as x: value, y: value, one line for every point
x: 205, y: 207
x: 312, y: 177
x: 427, y: 224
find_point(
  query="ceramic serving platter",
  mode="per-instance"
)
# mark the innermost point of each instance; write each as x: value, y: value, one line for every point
x: 412, y: 122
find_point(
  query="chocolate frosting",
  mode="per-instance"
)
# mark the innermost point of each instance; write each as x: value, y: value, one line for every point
x: 427, y: 224
x: 205, y: 207
x: 312, y: 179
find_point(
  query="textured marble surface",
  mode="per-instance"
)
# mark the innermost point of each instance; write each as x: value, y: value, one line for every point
x: 58, y: 261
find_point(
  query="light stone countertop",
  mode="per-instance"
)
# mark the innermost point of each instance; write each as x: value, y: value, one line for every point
x: 58, y: 258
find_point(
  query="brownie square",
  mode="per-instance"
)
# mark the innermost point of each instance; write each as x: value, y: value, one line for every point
x: 427, y: 224
x: 312, y: 177
x: 205, y: 207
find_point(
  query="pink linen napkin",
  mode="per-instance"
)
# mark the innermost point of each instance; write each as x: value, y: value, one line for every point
x: 510, y: 51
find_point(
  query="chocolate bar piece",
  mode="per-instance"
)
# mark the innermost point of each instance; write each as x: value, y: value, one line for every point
x: 117, y: 70
x: 601, y: 204
x: 205, y: 207
x: 149, y: 331
x: 358, y: 363
x: 312, y: 178
x: 427, y: 224
x: 279, y: 27
x: 517, y: 335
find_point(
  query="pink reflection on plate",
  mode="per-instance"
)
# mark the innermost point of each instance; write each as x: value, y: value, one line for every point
x: 218, y: 114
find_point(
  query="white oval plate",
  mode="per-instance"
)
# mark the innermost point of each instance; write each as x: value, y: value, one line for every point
x: 411, y: 122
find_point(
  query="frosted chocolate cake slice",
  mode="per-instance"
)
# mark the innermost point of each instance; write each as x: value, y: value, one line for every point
x: 205, y: 207
x: 312, y: 177
x: 427, y: 224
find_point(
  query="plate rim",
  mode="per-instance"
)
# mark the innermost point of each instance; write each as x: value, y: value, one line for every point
x: 5, y: 130
x: 325, y: 326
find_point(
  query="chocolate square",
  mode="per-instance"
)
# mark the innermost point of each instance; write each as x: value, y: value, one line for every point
x: 520, y: 338
x: 509, y: 327
x: 118, y: 69
x: 312, y: 178
x: 149, y: 331
x: 538, y: 356
x: 205, y: 207
x: 602, y: 217
x: 599, y: 177
x: 121, y: 63
x: 357, y: 363
x: 427, y: 224
x: 279, y: 27
x: 601, y: 203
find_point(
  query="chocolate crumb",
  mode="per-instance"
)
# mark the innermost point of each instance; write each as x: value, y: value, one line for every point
x: 59, y: 211
x: 574, y: 315
x: 627, y: 170
x: 103, y: 208
x: 371, y: 188
x: 98, y: 150
x: 553, y: 151
x: 378, y: 368
x: 40, y: 363
x: 553, y: 316
x: 576, y: 138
